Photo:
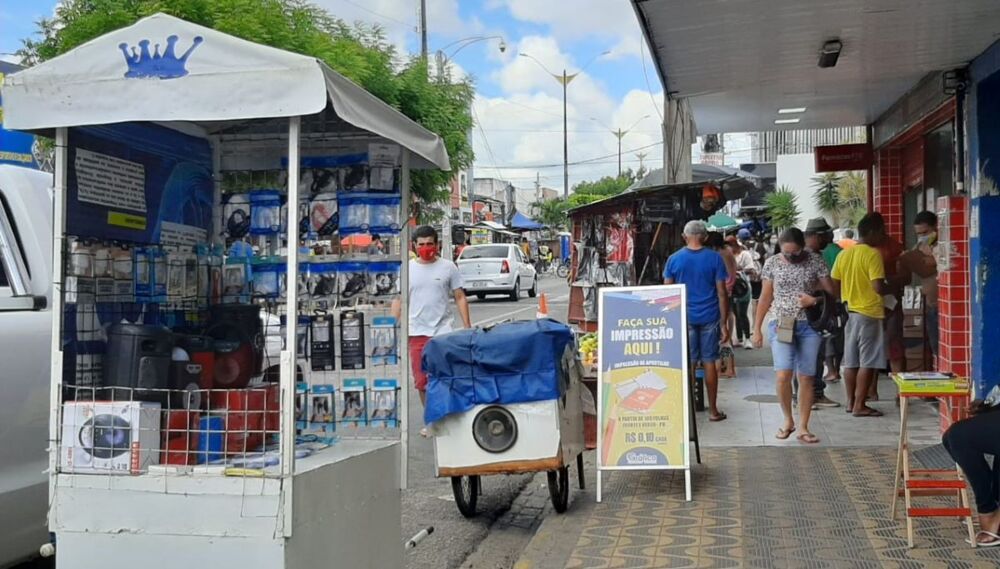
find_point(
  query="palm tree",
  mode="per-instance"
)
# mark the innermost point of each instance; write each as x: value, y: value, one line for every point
x: 783, y: 208
x: 853, y: 192
x: 827, y: 197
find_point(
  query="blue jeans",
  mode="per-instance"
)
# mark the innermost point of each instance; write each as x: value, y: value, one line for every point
x: 799, y: 355
x: 933, y: 328
x: 703, y: 342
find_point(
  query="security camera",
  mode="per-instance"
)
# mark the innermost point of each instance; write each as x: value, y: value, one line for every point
x: 503, y: 46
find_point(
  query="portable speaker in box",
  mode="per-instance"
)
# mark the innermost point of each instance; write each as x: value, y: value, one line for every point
x: 180, y: 437
x: 109, y: 437
x: 137, y: 363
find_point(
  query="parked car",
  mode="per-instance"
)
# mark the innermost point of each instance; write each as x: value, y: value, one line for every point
x: 500, y: 268
x: 25, y: 345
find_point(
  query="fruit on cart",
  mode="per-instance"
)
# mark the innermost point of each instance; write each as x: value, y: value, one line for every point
x: 588, y: 349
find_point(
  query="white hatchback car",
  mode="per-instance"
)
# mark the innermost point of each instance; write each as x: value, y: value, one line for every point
x: 500, y: 268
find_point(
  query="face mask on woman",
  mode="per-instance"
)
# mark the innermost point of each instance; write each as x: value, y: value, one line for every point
x: 795, y: 257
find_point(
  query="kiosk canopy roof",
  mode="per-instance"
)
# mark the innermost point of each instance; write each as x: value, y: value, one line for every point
x: 164, y: 69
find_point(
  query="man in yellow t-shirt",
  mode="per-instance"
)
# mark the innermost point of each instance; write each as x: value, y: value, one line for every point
x: 860, y: 275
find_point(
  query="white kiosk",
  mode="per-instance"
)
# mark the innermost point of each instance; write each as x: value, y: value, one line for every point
x: 253, y: 107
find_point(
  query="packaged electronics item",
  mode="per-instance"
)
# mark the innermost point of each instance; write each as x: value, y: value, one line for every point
x: 354, y: 178
x: 354, y: 215
x: 323, y: 218
x: 123, y: 274
x: 322, y: 354
x: 383, y: 179
x: 137, y: 363
x: 81, y: 259
x: 179, y: 438
x: 104, y: 282
x: 158, y: 261
x: 352, y: 340
x: 191, y: 277
x: 236, y: 216
x: 384, y: 351
x: 109, y: 437
x: 322, y: 409
x: 238, y: 335
x: 211, y: 438
x: 265, y: 212
x: 384, y: 409
x: 383, y: 278
x: 301, y: 334
x: 269, y: 277
x: 353, y: 280
x: 252, y: 417
x: 384, y: 215
x: 234, y: 281
x: 355, y: 408
x: 322, y: 284
x: 321, y: 180
x: 143, y: 275
x: 301, y: 405
x: 175, y: 262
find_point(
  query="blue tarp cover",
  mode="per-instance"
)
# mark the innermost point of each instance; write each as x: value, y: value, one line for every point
x: 521, y: 221
x: 515, y: 362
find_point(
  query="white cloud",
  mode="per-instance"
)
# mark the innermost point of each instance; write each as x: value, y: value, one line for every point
x: 401, y: 19
x: 612, y: 20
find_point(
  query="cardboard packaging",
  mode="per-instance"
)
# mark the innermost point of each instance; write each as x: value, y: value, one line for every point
x: 110, y: 437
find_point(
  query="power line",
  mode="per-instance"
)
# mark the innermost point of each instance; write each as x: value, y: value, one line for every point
x: 486, y: 140
x: 576, y: 163
x: 642, y: 57
x: 383, y: 16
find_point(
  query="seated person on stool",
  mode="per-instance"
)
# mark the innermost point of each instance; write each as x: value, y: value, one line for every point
x: 968, y: 441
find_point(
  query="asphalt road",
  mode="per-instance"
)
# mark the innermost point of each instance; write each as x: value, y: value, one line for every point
x: 428, y: 501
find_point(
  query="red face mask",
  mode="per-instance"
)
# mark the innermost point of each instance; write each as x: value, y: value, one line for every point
x: 427, y: 252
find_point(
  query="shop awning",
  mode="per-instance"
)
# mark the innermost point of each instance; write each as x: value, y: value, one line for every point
x: 738, y: 62
x: 491, y: 225
x: 164, y: 69
x: 521, y: 221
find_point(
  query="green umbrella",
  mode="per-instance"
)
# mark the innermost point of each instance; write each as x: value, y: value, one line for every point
x: 722, y: 222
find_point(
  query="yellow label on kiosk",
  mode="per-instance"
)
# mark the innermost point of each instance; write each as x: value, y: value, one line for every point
x: 126, y: 220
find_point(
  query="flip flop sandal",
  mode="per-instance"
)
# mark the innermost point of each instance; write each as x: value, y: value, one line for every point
x: 720, y: 417
x: 783, y: 434
x: 869, y: 413
x: 808, y: 438
x: 994, y: 543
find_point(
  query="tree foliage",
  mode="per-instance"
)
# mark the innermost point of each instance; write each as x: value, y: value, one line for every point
x: 853, y: 191
x: 359, y: 52
x: 606, y: 186
x: 552, y: 213
x: 827, y: 196
x: 783, y: 208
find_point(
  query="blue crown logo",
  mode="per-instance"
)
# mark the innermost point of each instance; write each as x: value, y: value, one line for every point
x: 142, y: 64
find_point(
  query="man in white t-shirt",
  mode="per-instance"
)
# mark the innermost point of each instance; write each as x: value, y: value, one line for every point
x: 432, y: 281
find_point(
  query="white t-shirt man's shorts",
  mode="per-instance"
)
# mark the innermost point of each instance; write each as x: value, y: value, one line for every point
x: 431, y: 286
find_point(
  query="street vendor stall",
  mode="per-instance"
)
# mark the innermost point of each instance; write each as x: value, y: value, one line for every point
x: 625, y: 240
x: 226, y: 374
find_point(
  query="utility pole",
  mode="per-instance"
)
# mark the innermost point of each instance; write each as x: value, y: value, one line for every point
x: 565, y: 82
x: 619, y: 134
x: 423, y: 29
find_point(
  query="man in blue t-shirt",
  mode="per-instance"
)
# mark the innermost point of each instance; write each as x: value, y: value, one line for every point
x: 704, y: 275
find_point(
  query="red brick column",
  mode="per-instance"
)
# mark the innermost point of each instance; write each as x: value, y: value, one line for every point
x: 954, y: 295
x: 889, y: 190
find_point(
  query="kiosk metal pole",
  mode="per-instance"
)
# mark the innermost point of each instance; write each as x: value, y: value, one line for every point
x: 58, y: 242
x: 289, y: 355
x: 403, y: 338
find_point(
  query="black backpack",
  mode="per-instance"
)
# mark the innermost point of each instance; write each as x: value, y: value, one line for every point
x: 828, y: 316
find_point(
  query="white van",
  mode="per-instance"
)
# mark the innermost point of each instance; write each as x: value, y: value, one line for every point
x: 25, y: 344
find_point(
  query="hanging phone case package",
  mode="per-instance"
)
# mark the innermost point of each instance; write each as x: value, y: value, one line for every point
x: 322, y: 284
x: 175, y: 276
x: 384, y: 215
x: 353, y: 281
x: 236, y: 216
x: 234, y: 281
x: 383, y: 279
x: 123, y: 275
x: 384, y: 409
x: 269, y: 278
x: 383, y: 179
x: 323, y: 218
x: 355, y: 408
x: 322, y: 408
x: 353, y: 214
x: 354, y: 178
x: 104, y: 281
x: 301, y: 406
x: 158, y: 263
x: 265, y: 212
x: 384, y: 350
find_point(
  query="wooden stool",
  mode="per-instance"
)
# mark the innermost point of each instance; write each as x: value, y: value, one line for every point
x: 911, y: 483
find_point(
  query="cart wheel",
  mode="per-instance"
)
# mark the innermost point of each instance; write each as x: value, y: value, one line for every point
x: 466, y: 489
x: 559, y: 488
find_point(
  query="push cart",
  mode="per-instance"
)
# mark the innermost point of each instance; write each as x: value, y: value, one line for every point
x: 505, y: 400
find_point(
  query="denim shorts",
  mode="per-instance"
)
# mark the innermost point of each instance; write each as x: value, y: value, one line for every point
x: 798, y: 356
x: 703, y: 342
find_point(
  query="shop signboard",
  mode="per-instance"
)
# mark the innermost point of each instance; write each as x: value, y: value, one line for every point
x: 479, y: 237
x: 843, y: 157
x: 643, y: 408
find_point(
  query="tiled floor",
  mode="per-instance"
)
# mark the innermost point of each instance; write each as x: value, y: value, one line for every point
x: 764, y: 503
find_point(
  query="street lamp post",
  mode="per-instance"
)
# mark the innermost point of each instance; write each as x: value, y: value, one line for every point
x: 620, y: 133
x: 565, y: 80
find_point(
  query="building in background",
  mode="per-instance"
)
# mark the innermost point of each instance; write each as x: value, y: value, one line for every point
x: 767, y: 146
x: 461, y: 208
x: 493, y: 200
